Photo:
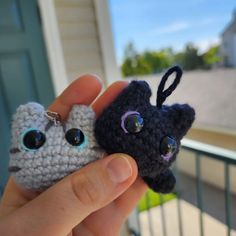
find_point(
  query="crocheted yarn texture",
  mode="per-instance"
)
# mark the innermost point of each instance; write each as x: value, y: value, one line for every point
x: 150, y: 134
x: 42, y: 152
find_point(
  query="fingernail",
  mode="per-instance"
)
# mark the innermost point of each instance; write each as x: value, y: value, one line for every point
x: 119, y: 169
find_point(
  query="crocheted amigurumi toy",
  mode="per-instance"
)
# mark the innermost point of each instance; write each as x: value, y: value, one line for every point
x: 44, y: 150
x: 150, y: 134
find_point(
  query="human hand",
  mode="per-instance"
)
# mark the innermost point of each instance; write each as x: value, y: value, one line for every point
x: 92, y: 201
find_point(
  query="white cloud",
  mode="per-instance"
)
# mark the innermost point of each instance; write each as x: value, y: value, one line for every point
x: 179, y: 26
x: 172, y: 28
x: 205, y: 44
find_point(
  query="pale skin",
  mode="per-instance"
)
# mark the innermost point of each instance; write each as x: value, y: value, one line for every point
x: 92, y: 201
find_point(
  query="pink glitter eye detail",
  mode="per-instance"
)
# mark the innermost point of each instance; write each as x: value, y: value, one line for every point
x: 132, y: 122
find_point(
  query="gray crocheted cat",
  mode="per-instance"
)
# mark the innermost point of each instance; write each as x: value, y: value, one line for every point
x: 42, y: 152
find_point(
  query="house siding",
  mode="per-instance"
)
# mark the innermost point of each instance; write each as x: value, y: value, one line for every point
x: 228, y: 49
x: 79, y: 37
x: 228, y: 45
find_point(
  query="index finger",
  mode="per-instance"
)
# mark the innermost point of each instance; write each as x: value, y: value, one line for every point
x: 82, y: 91
x: 108, y: 96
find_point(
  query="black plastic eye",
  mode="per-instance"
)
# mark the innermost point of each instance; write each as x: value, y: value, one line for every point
x: 168, y: 147
x: 33, y: 139
x: 75, y: 137
x: 132, y: 122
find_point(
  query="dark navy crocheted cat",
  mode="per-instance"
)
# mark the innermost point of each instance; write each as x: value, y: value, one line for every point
x: 150, y: 134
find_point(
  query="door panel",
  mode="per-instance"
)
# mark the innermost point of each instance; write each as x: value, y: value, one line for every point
x: 4, y: 142
x: 10, y: 17
x: 11, y: 81
x: 24, y: 71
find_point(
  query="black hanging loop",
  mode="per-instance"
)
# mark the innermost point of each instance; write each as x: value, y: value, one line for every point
x: 161, y: 94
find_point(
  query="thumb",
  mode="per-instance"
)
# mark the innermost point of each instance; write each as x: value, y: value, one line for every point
x: 64, y: 205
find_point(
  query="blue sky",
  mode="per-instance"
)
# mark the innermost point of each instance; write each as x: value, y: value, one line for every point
x: 153, y: 24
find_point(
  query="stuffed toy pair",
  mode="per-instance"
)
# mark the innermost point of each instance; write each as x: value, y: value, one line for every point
x: 44, y: 149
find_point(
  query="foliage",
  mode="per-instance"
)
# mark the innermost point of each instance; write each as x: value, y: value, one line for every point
x: 152, y: 199
x: 134, y: 64
x: 189, y: 59
x: 150, y: 62
x: 212, y: 57
x: 156, y: 60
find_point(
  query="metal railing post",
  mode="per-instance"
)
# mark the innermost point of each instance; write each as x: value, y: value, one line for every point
x: 227, y: 199
x: 149, y: 215
x: 163, y: 217
x: 199, y: 192
x: 178, y: 196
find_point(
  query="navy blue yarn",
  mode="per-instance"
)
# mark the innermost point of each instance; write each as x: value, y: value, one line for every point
x: 144, y: 147
x: 161, y: 94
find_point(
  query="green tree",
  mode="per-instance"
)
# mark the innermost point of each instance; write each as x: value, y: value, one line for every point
x: 156, y: 60
x: 211, y: 57
x: 130, y: 60
x: 179, y: 58
x: 127, y: 68
x: 189, y: 58
x: 150, y: 62
x: 143, y: 67
x: 134, y: 64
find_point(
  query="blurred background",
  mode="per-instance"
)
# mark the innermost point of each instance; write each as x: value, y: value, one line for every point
x: 46, y: 44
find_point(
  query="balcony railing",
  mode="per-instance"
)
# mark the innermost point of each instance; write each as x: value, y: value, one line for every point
x: 200, y: 152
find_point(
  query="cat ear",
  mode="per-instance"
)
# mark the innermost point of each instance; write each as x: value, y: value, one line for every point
x: 137, y: 93
x: 182, y: 116
x: 30, y: 115
x: 80, y: 116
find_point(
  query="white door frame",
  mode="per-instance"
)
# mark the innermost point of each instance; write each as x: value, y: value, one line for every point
x: 53, y: 45
x: 103, y: 18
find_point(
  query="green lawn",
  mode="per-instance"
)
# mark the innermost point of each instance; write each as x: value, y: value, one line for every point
x: 152, y: 199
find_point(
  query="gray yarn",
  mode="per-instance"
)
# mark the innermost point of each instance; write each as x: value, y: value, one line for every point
x: 56, y: 158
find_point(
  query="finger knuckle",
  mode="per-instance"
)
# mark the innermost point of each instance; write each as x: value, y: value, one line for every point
x: 86, y: 190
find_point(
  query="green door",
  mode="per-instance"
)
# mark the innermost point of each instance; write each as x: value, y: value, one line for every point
x: 24, y: 71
